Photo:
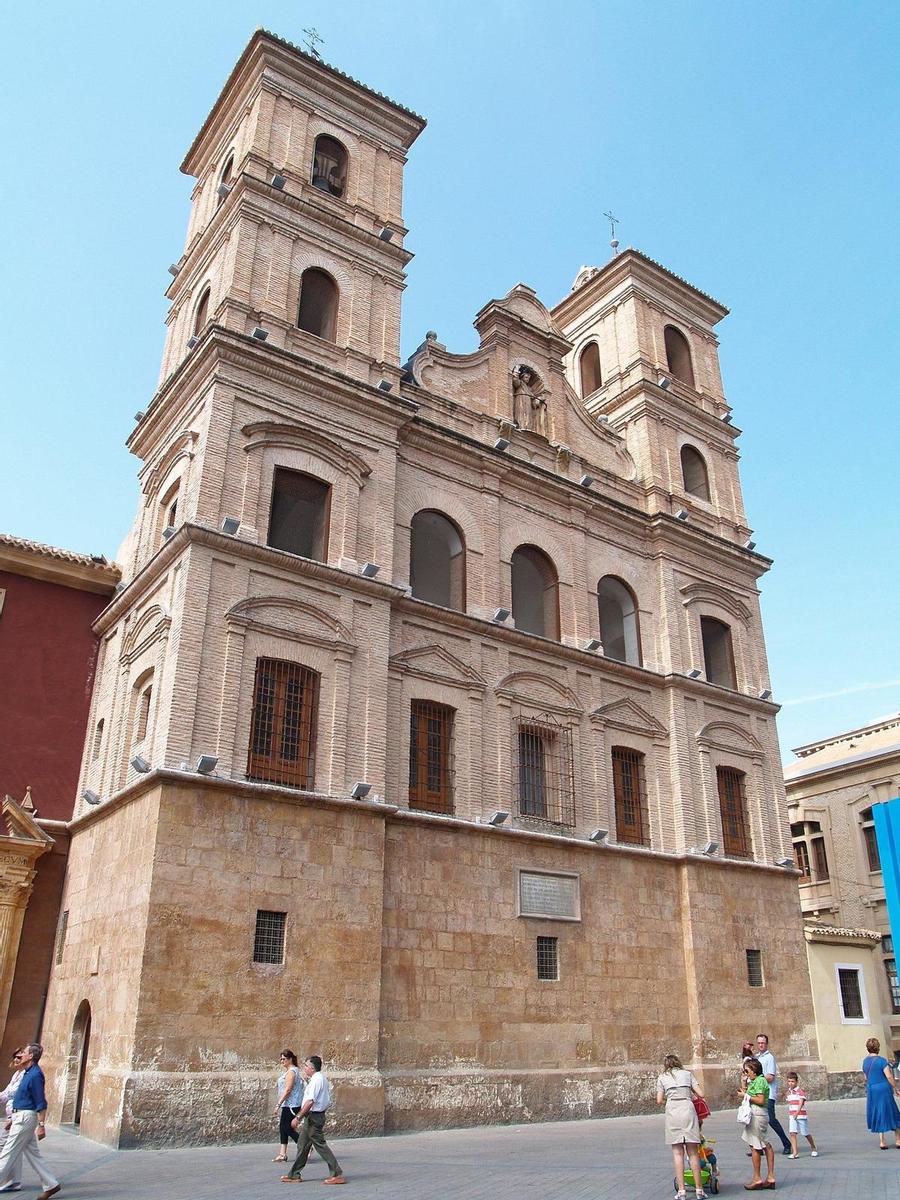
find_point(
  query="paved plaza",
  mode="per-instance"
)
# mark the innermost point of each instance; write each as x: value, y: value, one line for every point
x: 575, y: 1160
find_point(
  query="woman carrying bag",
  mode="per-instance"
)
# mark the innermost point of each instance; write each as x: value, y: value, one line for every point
x: 755, y: 1104
x: 676, y: 1088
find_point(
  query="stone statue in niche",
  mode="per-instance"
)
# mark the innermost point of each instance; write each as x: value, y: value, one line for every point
x: 529, y: 400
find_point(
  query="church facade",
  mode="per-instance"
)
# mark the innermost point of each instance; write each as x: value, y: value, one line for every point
x: 435, y: 729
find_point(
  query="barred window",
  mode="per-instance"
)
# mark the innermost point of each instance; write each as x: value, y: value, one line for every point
x: 61, y: 936
x: 890, y: 968
x: 850, y: 990
x: 283, y: 725
x: 733, y: 809
x: 630, y: 792
x: 431, y: 757
x: 546, y: 786
x: 754, y: 968
x: 548, y: 958
x: 268, y: 940
x: 545, y: 894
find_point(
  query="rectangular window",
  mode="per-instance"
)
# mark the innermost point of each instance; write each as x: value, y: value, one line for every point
x: 283, y: 725
x: 873, y: 858
x: 890, y: 968
x: 851, y: 995
x: 754, y: 968
x: 733, y: 809
x: 548, y: 958
x: 61, y: 936
x: 299, y: 517
x: 801, y: 857
x: 821, y: 859
x: 542, y: 894
x: 546, y: 772
x: 630, y: 792
x: 143, y: 714
x: 268, y: 940
x: 430, y: 757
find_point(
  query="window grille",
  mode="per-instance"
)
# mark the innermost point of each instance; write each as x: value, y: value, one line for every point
x: 546, y: 784
x: 851, y: 996
x: 61, y: 936
x: 542, y: 894
x: 548, y: 958
x: 283, y: 725
x: 733, y: 809
x: 431, y: 757
x: 630, y: 792
x: 268, y: 940
x: 873, y: 858
x: 754, y: 968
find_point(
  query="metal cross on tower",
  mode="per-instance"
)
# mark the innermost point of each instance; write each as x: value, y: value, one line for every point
x: 312, y: 40
x: 613, y: 240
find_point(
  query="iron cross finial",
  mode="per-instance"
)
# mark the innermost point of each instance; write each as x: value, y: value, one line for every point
x: 312, y: 40
x: 613, y: 222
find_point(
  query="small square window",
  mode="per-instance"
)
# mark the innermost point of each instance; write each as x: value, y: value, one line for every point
x: 754, y: 968
x: 548, y: 958
x: 268, y: 941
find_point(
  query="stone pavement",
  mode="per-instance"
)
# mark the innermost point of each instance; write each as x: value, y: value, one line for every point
x: 572, y: 1160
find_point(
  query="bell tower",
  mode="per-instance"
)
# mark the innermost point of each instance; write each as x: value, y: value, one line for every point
x: 296, y: 227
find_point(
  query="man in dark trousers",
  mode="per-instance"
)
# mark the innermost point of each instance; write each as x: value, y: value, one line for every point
x: 770, y: 1070
x: 26, y: 1126
x: 310, y: 1122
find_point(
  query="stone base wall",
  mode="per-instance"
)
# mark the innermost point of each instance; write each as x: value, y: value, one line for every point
x: 845, y: 1085
x: 409, y: 969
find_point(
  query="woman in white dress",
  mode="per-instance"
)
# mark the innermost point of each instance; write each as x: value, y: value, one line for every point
x: 676, y: 1088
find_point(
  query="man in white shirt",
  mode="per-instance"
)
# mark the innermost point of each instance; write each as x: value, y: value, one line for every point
x: 770, y: 1070
x: 310, y: 1122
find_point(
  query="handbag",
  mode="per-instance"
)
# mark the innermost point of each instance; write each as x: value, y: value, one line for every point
x: 701, y: 1108
x: 745, y: 1112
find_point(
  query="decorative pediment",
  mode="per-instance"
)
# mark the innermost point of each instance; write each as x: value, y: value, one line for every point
x: 539, y: 691
x: 712, y: 593
x: 180, y: 446
x: 437, y: 664
x: 21, y: 826
x: 291, y: 618
x: 727, y: 736
x: 151, y: 625
x: 626, y: 714
x: 301, y: 435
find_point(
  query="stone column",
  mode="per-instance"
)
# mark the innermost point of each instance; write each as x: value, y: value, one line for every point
x: 16, y: 877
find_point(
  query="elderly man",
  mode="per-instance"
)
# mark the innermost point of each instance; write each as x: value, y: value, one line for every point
x: 310, y: 1122
x: 27, y: 1123
x: 770, y: 1070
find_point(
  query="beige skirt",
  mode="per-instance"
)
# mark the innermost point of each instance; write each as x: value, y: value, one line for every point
x: 755, y: 1133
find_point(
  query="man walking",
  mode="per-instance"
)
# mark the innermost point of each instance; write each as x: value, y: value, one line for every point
x: 310, y: 1122
x: 770, y: 1070
x: 27, y: 1123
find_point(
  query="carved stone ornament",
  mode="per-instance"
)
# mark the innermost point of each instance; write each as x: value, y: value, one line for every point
x: 529, y: 400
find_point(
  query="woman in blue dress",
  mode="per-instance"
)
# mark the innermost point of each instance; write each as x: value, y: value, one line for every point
x: 882, y: 1113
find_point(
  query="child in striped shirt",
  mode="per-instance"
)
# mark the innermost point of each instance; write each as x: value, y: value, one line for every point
x: 798, y: 1120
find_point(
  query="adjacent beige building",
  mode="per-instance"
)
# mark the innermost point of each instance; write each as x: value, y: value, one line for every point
x: 830, y: 790
x: 432, y: 727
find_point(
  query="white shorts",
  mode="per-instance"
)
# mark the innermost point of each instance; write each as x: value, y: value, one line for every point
x: 798, y: 1125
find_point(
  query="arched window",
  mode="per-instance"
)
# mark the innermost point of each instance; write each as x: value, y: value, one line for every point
x: 298, y: 521
x: 98, y: 740
x: 201, y: 313
x: 619, y: 629
x: 329, y: 171
x: 225, y: 180
x: 718, y: 658
x: 437, y: 561
x: 318, y: 304
x: 694, y: 473
x: 678, y: 355
x: 589, y: 368
x: 535, y: 592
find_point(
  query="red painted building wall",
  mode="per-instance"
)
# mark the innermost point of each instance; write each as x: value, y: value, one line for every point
x: 48, y: 655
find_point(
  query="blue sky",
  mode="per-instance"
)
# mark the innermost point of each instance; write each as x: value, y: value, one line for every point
x: 751, y: 148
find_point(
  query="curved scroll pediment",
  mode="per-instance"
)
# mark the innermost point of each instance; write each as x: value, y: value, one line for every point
x: 296, y: 619
x: 180, y: 446
x: 728, y: 736
x: 712, y: 593
x: 532, y: 688
x: 301, y: 435
x: 150, y: 626
x: 436, y: 663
